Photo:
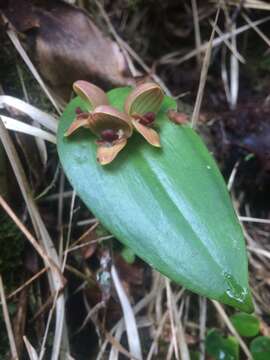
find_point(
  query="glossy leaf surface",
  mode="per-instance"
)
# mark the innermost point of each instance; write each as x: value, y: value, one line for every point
x: 221, y: 348
x: 169, y: 205
x: 260, y: 348
x: 245, y: 324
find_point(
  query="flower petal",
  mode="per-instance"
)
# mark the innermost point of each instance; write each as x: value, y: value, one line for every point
x: 90, y: 93
x: 107, y: 153
x: 144, y: 98
x: 107, y: 117
x: 80, y: 121
x: 150, y: 135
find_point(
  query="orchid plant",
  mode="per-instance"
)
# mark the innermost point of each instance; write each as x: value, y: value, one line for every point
x: 171, y: 207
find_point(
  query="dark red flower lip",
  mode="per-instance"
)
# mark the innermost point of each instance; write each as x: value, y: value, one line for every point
x: 146, y: 119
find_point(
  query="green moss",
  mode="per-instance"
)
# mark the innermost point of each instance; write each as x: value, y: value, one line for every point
x: 11, y: 248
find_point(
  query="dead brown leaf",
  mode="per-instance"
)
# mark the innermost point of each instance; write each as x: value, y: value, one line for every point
x: 67, y: 46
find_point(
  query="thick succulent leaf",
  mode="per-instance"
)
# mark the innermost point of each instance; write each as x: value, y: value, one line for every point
x: 221, y: 348
x: 170, y: 205
x: 260, y: 348
x: 246, y: 324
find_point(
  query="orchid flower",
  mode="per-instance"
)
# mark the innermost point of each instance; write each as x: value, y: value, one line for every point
x: 113, y: 127
x: 142, y: 105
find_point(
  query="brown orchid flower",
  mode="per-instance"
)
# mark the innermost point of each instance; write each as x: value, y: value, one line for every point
x: 142, y: 105
x: 93, y: 96
x: 113, y: 127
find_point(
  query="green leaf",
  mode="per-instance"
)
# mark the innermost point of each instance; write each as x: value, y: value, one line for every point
x: 169, y: 205
x: 260, y: 348
x: 128, y: 255
x: 221, y: 348
x: 194, y: 355
x: 247, y: 325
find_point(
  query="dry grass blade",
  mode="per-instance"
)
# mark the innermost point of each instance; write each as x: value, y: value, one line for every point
x: 203, y: 317
x: 259, y: 251
x: 173, y: 57
x: 196, y: 22
x: 47, y: 260
x: 11, y: 338
x: 131, y: 327
x: 31, y: 351
x: 130, y: 51
x: 18, y: 46
x: 234, y: 83
x: 41, y: 146
x: 51, y: 184
x: 171, y: 313
x: 131, y: 66
x: 233, y: 176
x: 252, y: 4
x: 119, y: 328
x: 91, y: 313
x: 21, y: 78
x: 138, y: 307
x: 20, y: 126
x: 157, y: 335
x: 229, y: 46
x: 69, y: 357
x: 181, y: 338
x: 55, y: 279
x: 27, y: 283
x: 39, y: 116
x: 53, y: 267
x: 119, y: 347
x: 255, y: 220
x: 90, y: 242
x: 256, y: 29
x: 39, y: 142
x: 44, y: 340
x: 224, y: 77
x: 65, y: 254
x: 180, y: 333
x: 114, y: 352
x: 230, y: 326
x: 204, y: 72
